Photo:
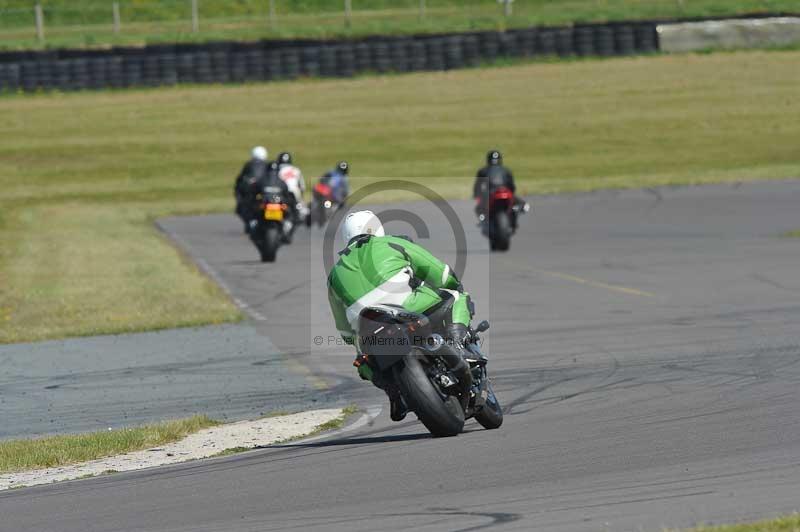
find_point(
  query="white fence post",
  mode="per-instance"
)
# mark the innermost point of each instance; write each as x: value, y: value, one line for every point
x: 507, y: 7
x: 117, y: 21
x: 271, y: 13
x: 39, y: 21
x: 348, y: 11
x: 195, y: 16
x: 421, y: 9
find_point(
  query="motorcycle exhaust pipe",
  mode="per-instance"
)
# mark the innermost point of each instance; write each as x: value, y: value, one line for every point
x: 455, y: 362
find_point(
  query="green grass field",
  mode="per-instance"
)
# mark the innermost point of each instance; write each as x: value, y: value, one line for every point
x: 789, y: 523
x: 83, y: 175
x: 89, y: 22
x: 54, y: 451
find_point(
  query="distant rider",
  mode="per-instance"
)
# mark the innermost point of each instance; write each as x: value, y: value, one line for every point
x: 491, y: 177
x: 378, y: 269
x: 338, y: 181
x: 293, y: 177
x: 249, y: 183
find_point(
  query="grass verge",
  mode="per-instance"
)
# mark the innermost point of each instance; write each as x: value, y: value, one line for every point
x: 78, y: 23
x: 790, y: 523
x: 83, y: 175
x: 792, y: 234
x: 54, y: 451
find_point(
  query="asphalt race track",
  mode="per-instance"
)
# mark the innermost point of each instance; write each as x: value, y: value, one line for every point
x: 645, y: 345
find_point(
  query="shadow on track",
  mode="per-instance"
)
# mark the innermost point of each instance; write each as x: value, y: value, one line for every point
x: 354, y: 441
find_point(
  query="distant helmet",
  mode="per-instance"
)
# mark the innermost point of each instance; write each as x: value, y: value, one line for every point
x: 343, y: 167
x: 361, y: 223
x: 494, y: 157
x: 285, y: 158
x: 260, y: 153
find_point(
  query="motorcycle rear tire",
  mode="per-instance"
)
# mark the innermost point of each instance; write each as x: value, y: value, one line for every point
x: 269, y: 248
x: 322, y: 215
x: 501, y: 234
x: 442, y: 417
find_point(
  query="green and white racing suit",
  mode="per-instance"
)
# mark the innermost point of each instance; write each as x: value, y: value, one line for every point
x: 389, y: 270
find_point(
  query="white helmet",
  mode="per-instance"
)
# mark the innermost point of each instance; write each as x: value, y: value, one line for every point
x: 361, y: 223
x: 260, y: 153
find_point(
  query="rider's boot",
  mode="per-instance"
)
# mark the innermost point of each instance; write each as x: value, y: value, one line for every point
x: 457, y: 334
x: 397, y: 406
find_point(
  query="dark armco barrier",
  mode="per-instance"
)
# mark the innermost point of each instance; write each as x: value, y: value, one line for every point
x: 225, y: 62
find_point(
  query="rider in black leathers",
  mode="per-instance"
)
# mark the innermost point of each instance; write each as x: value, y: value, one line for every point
x: 249, y: 184
x: 492, y: 176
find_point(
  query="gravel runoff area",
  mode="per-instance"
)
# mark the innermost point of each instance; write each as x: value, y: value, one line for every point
x: 202, y: 444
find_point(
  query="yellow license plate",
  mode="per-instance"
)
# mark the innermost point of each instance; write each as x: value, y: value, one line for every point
x: 273, y: 214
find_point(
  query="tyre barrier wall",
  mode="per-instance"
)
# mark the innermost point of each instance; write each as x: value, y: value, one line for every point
x: 227, y: 62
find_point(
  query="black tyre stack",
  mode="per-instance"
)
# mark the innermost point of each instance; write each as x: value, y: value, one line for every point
x: 272, y: 64
x: 417, y: 55
x: 470, y: 50
x: 50, y: 73
x: 584, y: 40
x: 202, y: 67
x: 327, y: 61
x: 115, y: 71
x: 9, y: 77
x: 54, y: 74
x: 489, y: 43
x: 564, y: 45
x: 646, y: 37
x: 454, y: 52
x: 186, y: 67
x: 508, y: 44
x: 346, y: 59
x: 152, y: 74
x: 398, y: 52
x: 547, y: 41
x: 238, y: 62
x: 434, y: 49
x: 254, y: 59
x: 223, y: 62
x: 363, y: 54
x: 79, y: 73
x: 604, y: 40
x: 291, y: 63
x: 220, y: 69
x: 98, y: 67
x: 311, y: 61
x: 624, y: 39
x: 132, y: 70
x: 527, y: 42
x: 29, y: 75
x: 381, y: 56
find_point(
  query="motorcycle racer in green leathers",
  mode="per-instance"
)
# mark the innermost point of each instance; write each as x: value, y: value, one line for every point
x: 377, y: 269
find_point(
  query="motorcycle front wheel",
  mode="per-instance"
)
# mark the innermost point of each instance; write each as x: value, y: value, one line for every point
x: 269, y: 247
x: 490, y: 416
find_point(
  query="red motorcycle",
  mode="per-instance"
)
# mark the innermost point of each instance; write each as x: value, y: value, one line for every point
x: 497, y: 213
x: 322, y: 206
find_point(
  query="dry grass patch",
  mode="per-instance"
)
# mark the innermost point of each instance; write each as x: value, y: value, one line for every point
x: 83, y: 175
x: 21, y: 455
